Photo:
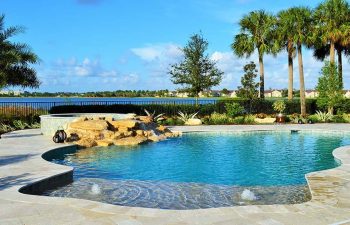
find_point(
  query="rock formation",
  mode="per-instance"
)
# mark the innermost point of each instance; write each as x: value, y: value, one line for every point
x: 90, y: 132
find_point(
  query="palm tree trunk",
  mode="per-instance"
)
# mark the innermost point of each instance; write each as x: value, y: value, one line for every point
x: 262, y: 83
x: 290, y: 72
x: 302, y: 82
x: 332, y: 53
x: 340, y: 66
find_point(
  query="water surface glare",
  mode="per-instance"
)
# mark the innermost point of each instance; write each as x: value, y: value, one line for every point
x: 203, y: 170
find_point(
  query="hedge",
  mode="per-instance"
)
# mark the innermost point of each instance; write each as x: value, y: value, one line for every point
x: 253, y: 107
x: 137, y: 109
x: 265, y: 106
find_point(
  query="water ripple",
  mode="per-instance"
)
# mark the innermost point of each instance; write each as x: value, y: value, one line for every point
x: 173, y: 195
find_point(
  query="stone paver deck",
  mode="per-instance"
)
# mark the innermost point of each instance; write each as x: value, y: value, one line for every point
x: 21, y: 164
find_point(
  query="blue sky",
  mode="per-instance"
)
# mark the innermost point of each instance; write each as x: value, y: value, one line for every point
x: 95, y: 45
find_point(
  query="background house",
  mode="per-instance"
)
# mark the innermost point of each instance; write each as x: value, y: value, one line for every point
x: 10, y: 92
x: 273, y: 94
x: 233, y: 94
x: 347, y: 93
x: 182, y: 94
x: 311, y: 94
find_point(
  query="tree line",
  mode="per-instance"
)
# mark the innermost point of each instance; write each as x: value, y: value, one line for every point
x: 325, y: 29
x: 100, y: 94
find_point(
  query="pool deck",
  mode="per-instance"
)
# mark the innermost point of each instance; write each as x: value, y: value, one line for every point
x: 21, y: 164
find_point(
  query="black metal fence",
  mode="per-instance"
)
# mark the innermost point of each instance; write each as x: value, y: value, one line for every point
x: 40, y: 108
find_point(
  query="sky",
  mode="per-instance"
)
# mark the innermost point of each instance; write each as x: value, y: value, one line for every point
x: 106, y: 45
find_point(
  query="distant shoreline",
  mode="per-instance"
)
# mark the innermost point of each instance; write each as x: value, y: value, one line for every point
x: 121, y: 97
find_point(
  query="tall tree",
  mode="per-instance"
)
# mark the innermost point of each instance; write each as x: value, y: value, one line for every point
x: 16, y: 60
x: 301, y: 29
x: 330, y: 88
x: 249, y: 88
x: 285, y: 37
x: 197, y: 72
x: 256, y: 34
x: 332, y: 21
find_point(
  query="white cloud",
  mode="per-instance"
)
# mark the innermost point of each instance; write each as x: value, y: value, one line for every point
x: 157, y: 59
x: 86, y: 68
x: 147, y: 53
x: 131, y: 78
x: 90, y: 74
x: 84, y: 75
x: 160, y: 52
x: 108, y: 73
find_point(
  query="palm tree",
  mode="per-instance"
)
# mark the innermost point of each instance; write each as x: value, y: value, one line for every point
x: 322, y: 51
x: 256, y: 34
x: 15, y: 60
x: 285, y: 35
x: 332, y: 18
x: 301, y: 29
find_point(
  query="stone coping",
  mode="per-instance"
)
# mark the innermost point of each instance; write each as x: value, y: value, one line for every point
x: 21, y: 164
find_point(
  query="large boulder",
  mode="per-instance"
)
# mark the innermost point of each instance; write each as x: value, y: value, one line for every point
x: 104, y: 143
x: 124, y: 125
x: 96, y: 125
x: 107, y: 134
x: 130, y: 141
x: 101, y: 132
x: 117, y: 135
x: 81, y: 134
x: 146, y: 119
x: 86, y: 143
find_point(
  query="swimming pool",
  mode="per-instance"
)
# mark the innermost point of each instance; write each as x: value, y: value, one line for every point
x: 202, y: 170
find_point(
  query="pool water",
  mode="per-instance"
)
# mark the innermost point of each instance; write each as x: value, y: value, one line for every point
x: 202, y: 170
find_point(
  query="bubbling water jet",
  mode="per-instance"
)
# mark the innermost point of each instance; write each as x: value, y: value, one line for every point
x: 248, y: 195
x: 95, y: 189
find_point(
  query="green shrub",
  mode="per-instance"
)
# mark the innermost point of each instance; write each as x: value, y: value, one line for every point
x: 323, y: 117
x: 19, y: 125
x: 295, y: 118
x: 5, y: 128
x: 250, y: 106
x: 219, y: 119
x: 185, y: 117
x: 313, y: 118
x: 266, y: 105
x: 234, y: 109
x: 239, y: 120
x: 172, y: 122
x: 346, y: 117
x: 34, y: 125
x: 279, y: 106
x: 338, y: 119
x: 249, y: 119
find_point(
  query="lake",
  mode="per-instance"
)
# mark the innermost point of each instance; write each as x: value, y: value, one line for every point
x: 116, y: 99
x: 48, y: 103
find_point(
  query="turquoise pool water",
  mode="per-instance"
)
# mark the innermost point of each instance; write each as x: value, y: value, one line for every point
x: 216, y: 164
